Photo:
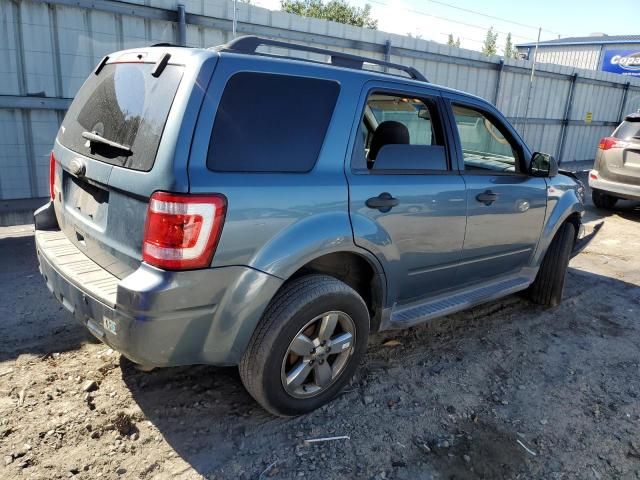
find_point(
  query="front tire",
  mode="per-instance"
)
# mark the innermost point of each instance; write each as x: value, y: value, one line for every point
x: 549, y: 283
x: 603, y: 200
x: 307, y: 346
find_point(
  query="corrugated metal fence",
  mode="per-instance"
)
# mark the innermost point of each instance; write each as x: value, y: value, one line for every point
x: 48, y: 47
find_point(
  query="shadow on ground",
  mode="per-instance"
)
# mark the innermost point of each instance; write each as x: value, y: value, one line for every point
x: 454, y: 398
x: 31, y: 320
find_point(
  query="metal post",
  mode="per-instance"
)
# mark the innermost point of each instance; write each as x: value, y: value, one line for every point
x: 498, y: 80
x: 567, y: 116
x: 533, y: 71
x: 182, y: 26
x: 623, y: 101
x: 535, y: 55
x: 235, y: 18
x: 387, y: 53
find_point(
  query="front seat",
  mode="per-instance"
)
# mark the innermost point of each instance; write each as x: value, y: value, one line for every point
x: 387, y: 133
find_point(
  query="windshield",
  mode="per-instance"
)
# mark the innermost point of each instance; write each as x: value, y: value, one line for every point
x: 118, y: 116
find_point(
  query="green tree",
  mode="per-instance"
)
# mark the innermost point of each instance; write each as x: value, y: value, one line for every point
x: 453, y: 43
x: 336, y: 10
x: 489, y: 46
x: 509, y: 51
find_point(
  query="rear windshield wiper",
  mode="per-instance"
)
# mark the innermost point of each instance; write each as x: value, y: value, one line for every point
x: 95, y: 138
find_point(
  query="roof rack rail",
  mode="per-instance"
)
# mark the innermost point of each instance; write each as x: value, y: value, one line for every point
x: 249, y: 44
x: 167, y: 44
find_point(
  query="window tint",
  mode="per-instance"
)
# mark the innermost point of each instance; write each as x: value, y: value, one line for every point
x: 399, y: 133
x: 484, y: 147
x: 271, y: 123
x: 628, y: 131
x: 124, y: 104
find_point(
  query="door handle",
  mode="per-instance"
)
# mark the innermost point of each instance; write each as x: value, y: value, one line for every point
x: 487, y: 197
x: 383, y: 202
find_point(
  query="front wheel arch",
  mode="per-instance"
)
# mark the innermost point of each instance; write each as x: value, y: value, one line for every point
x: 548, y: 286
x: 566, y: 208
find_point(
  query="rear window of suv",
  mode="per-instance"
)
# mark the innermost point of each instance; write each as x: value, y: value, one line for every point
x: 628, y: 130
x: 271, y: 123
x: 124, y: 104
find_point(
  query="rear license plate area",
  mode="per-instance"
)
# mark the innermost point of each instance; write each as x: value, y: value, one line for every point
x: 632, y: 158
x: 86, y: 200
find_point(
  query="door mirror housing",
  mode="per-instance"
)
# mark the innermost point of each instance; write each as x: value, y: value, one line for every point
x: 543, y: 165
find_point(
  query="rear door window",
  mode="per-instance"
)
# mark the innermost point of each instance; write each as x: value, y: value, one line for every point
x: 124, y: 104
x: 271, y: 123
x: 400, y: 133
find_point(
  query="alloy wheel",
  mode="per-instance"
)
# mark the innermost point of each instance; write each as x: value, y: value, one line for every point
x: 318, y: 354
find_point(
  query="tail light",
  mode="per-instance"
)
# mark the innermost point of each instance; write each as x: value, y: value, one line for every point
x: 52, y: 176
x: 182, y: 231
x: 593, y: 175
x: 608, y: 142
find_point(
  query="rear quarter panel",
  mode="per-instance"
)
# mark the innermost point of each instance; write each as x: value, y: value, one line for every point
x: 277, y: 222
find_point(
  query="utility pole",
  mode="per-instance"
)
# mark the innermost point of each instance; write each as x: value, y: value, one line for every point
x: 533, y: 71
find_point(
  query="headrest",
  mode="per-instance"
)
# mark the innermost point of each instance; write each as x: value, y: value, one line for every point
x: 388, y: 133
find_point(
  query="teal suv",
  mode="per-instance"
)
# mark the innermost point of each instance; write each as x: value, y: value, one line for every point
x: 228, y: 206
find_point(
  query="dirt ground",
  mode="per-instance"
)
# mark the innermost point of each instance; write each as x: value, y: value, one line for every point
x: 507, y: 390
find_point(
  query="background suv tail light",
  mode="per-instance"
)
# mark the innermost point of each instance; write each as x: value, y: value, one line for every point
x: 608, y: 142
x: 52, y: 175
x: 182, y: 231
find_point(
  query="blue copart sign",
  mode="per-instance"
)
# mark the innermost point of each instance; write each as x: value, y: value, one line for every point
x: 625, y: 62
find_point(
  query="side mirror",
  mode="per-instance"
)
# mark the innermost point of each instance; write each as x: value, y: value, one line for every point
x: 543, y: 165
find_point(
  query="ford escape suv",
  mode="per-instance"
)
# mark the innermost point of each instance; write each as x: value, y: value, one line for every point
x: 616, y: 170
x: 231, y: 207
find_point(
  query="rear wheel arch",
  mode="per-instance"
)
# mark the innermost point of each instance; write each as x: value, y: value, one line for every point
x: 359, y: 271
x: 603, y: 200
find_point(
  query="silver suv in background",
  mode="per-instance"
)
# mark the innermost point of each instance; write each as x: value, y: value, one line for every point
x: 616, y: 170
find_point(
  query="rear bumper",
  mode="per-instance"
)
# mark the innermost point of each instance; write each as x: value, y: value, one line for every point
x: 155, y: 317
x: 622, y: 190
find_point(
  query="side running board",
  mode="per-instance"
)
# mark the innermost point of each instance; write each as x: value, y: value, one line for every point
x: 445, y: 305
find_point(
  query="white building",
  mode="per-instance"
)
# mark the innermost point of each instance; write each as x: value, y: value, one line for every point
x: 608, y: 53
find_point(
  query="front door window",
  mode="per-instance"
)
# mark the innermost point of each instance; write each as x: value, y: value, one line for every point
x: 484, y: 146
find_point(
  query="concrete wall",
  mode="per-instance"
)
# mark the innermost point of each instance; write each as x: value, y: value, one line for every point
x: 48, y: 47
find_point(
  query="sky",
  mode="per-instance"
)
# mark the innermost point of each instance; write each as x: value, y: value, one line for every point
x: 470, y: 19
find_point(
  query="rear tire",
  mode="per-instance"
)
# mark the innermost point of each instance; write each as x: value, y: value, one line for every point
x: 292, y: 337
x: 549, y: 283
x: 603, y: 200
